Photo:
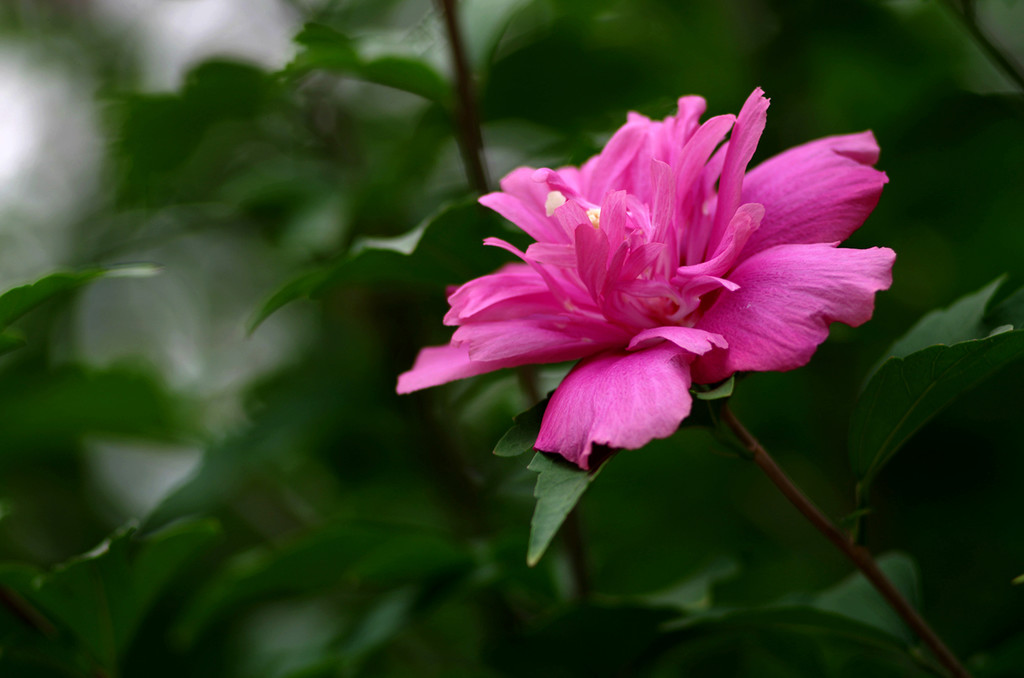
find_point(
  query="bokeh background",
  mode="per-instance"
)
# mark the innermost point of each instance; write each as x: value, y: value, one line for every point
x: 355, y: 532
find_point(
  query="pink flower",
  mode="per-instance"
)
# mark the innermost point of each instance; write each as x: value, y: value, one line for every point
x: 662, y: 262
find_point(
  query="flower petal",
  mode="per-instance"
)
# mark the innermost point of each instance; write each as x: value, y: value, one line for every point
x: 538, y: 339
x: 819, y: 192
x: 689, y: 339
x: 437, y: 365
x: 742, y: 144
x: 618, y: 399
x: 787, y: 298
x: 521, y: 201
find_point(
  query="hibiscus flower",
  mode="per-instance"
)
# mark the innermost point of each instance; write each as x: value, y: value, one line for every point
x: 661, y: 262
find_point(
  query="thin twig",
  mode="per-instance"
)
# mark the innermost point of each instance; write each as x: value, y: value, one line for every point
x: 856, y: 553
x: 24, y: 611
x: 470, y: 137
x: 965, y: 11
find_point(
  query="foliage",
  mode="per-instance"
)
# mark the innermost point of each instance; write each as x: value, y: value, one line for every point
x: 266, y: 506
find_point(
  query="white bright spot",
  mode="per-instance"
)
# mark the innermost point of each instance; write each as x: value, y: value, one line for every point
x: 175, y: 35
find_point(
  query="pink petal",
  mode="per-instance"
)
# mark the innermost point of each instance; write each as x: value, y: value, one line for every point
x: 787, y: 298
x: 742, y: 144
x: 618, y: 399
x: 513, y: 291
x: 611, y: 168
x: 521, y: 201
x: 538, y: 339
x: 440, y: 364
x: 821, y: 191
x: 689, y: 339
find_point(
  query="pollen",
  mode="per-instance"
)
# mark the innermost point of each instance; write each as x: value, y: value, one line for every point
x: 554, y: 201
x: 594, y: 214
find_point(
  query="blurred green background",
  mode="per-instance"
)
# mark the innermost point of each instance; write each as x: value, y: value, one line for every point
x: 294, y: 516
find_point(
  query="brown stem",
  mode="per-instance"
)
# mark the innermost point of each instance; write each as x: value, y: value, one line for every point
x: 965, y: 11
x: 856, y: 553
x: 24, y: 611
x: 470, y: 138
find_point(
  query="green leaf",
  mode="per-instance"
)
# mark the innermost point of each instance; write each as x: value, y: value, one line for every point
x: 560, y: 484
x: 10, y: 341
x: 445, y: 249
x: 917, y: 383
x: 723, y: 390
x: 393, y: 65
x: 103, y: 595
x: 52, y: 410
x: 852, y: 609
x: 1019, y: 579
x: 379, y: 555
x: 18, y: 301
x: 693, y: 594
x: 523, y: 434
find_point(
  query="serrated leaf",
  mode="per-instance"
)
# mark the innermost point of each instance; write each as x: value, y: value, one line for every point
x: 326, y: 48
x: 560, y: 484
x: 445, y: 249
x: 523, y: 434
x: 944, y: 355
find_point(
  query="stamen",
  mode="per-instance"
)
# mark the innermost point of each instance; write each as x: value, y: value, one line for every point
x: 555, y: 200
x: 594, y: 214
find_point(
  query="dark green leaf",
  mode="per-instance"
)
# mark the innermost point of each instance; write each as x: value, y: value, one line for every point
x: 560, y: 485
x: 693, y: 594
x: 445, y: 249
x: 907, y: 392
x: 946, y: 354
x: 10, y: 341
x: 523, y: 434
x: 381, y: 555
x: 18, y: 301
x: 326, y: 48
x: 101, y: 596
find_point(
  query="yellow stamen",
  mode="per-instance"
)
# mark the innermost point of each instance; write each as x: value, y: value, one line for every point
x: 594, y: 214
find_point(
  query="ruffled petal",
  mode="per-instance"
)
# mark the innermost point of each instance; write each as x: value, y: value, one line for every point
x: 619, y: 399
x: 437, y: 365
x: 819, y: 192
x: 521, y: 201
x: 538, y: 339
x: 787, y: 298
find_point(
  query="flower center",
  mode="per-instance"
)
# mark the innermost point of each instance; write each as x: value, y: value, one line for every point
x: 594, y: 214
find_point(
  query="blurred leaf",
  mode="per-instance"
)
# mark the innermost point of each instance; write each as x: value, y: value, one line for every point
x: 9, y: 341
x: 366, y: 554
x: 445, y: 249
x: 160, y: 135
x: 693, y: 594
x: 18, y: 301
x: 594, y: 639
x: 560, y: 484
x: 101, y: 596
x: 486, y: 21
x: 523, y: 434
x: 855, y: 597
x: 916, y: 384
x: 852, y: 610
x: 52, y: 410
x: 326, y: 48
